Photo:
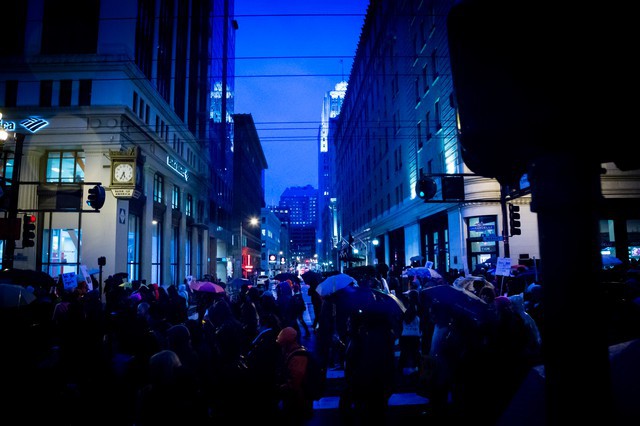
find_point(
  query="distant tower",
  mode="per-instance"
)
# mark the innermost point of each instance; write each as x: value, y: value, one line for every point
x: 330, y: 111
x: 303, y: 212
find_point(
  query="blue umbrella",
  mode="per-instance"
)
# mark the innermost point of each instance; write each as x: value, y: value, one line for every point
x: 608, y: 260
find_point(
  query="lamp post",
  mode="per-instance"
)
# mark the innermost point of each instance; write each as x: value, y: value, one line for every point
x: 253, y: 222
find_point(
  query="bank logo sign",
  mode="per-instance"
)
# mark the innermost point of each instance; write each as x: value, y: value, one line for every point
x: 33, y: 124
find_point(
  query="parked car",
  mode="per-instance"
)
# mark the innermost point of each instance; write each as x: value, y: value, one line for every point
x: 263, y: 281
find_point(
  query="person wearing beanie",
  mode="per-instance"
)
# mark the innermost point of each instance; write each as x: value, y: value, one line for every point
x: 295, y: 406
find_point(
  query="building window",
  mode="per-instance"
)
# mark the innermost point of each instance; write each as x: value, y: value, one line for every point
x: 60, y: 254
x: 200, y: 215
x: 427, y: 124
x: 84, y: 95
x: 65, y: 93
x: 425, y: 79
x: 175, y: 254
x: 65, y: 166
x: 156, y: 252
x: 11, y: 93
x: 175, y: 198
x: 189, y: 205
x: 419, y: 134
x: 133, y: 247
x: 479, y: 250
x: 46, y: 93
x: 187, y: 253
x: 134, y: 105
x: 434, y: 64
x: 199, y: 250
x: 158, y: 187
x: 437, y: 115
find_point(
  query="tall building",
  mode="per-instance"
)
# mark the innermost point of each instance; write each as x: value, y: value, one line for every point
x: 327, y: 231
x: 272, y: 254
x: 302, y: 203
x: 283, y: 215
x: 398, y: 127
x: 118, y: 93
x: 249, y: 164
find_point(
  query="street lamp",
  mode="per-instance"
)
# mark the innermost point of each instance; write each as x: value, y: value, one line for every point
x: 253, y: 222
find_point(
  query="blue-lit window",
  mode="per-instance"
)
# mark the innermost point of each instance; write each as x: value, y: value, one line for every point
x: 189, y: 206
x: 156, y: 252
x: 175, y: 198
x: 65, y: 166
x: 133, y: 247
x: 158, y: 188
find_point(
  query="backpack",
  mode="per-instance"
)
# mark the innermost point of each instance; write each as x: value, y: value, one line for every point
x: 316, y: 375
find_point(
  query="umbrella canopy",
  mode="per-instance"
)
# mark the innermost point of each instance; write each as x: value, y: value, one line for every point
x: 207, y: 287
x: 610, y: 260
x: 460, y: 302
x: 30, y: 277
x: 472, y: 283
x: 335, y: 283
x: 312, y: 278
x: 422, y: 272
x: 390, y: 299
x: 237, y: 283
x: 283, y: 276
x: 14, y: 296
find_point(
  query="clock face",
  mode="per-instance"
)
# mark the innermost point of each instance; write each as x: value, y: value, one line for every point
x: 123, y: 173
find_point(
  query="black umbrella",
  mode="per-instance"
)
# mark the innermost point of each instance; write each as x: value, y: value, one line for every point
x: 312, y: 278
x: 26, y: 277
x: 460, y: 302
x: 283, y: 276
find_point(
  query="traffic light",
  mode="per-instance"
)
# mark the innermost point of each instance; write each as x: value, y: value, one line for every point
x: 96, y: 197
x: 28, y: 230
x: 426, y: 188
x: 514, y: 220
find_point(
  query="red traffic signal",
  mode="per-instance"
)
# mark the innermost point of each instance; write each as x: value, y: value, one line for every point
x: 28, y: 230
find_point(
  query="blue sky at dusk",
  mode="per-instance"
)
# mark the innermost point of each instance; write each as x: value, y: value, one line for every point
x: 288, y: 55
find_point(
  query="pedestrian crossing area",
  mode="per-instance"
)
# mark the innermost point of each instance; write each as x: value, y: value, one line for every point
x: 331, y: 402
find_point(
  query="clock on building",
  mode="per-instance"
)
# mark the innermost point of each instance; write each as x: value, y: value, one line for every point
x: 123, y: 173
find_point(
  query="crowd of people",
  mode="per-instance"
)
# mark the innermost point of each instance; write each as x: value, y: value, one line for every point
x: 149, y: 355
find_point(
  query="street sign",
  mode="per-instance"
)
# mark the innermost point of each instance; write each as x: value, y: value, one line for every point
x: 491, y: 237
x: 481, y: 227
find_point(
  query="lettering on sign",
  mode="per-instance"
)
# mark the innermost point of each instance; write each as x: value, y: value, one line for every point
x: 122, y: 192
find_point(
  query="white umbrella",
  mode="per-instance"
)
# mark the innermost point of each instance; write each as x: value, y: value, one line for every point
x: 334, y: 283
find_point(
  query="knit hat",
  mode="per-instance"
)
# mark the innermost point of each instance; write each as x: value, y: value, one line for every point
x: 287, y: 336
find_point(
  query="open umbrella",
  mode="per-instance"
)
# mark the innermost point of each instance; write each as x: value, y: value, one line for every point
x: 207, y: 287
x: 335, y: 283
x: 30, y: 277
x: 460, y: 301
x: 391, y: 301
x: 423, y: 272
x: 14, y: 296
x: 312, y: 278
x: 472, y: 283
x: 283, y: 276
x: 608, y: 261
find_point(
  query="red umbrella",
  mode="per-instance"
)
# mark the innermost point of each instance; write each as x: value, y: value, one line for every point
x: 206, y: 287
